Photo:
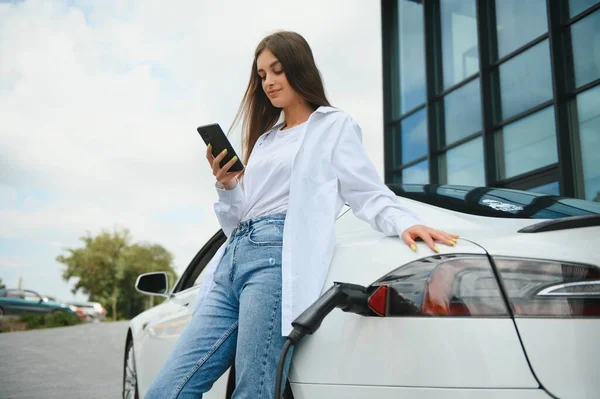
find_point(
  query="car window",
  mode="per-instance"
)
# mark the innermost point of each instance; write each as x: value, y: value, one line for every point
x: 193, y: 274
x: 496, y: 202
x: 32, y: 296
x: 15, y: 294
x: 200, y: 277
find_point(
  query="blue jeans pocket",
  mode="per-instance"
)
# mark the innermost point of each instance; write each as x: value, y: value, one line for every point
x: 266, y: 234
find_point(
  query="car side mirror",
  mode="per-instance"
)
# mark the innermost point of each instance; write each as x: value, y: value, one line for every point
x: 154, y: 283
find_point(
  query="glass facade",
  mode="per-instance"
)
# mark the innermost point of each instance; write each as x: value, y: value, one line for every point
x: 497, y: 93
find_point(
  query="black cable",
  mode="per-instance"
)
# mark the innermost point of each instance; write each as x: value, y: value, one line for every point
x: 280, y: 366
x: 348, y: 297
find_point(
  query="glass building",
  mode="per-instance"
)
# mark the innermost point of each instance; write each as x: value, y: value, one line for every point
x: 501, y: 93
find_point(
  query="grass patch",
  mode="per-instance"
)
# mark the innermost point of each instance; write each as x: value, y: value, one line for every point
x: 31, y: 321
x: 11, y: 323
x: 50, y: 320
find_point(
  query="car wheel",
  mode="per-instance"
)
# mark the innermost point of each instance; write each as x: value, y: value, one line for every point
x: 130, y: 390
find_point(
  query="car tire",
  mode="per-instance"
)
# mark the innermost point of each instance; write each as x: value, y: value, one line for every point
x: 130, y: 389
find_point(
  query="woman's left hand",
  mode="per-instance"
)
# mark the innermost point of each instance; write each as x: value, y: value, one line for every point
x: 428, y: 235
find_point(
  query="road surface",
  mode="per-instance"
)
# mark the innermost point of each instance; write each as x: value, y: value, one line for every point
x: 84, y: 361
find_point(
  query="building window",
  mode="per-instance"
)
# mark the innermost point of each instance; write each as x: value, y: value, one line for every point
x: 519, y: 22
x: 585, y: 35
x: 577, y: 6
x: 411, y: 58
x: 416, y: 174
x: 410, y: 138
x: 525, y: 81
x: 462, y: 113
x: 460, y: 56
x: 501, y: 93
x: 527, y: 144
x: 463, y: 165
x: 588, y: 111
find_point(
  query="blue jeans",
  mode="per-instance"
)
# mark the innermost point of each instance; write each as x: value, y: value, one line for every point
x: 239, y: 318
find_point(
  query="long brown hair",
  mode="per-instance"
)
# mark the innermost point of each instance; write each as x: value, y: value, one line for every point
x: 256, y: 111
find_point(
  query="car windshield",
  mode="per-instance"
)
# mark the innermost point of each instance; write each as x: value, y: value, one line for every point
x: 496, y: 202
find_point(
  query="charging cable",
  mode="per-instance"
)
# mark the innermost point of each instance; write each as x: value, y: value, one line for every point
x: 348, y: 297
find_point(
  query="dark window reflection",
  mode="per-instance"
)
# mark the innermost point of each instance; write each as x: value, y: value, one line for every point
x: 459, y: 40
x: 525, y: 81
x: 410, y: 138
x: 549, y: 189
x: 519, y: 22
x: 462, y: 112
x: 464, y: 164
x: 588, y: 109
x: 577, y: 6
x: 416, y: 174
x: 527, y: 144
x: 585, y: 35
x: 495, y: 202
x: 411, y: 54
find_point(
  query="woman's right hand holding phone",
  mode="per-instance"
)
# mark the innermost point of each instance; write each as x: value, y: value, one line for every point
x: 226, y: 178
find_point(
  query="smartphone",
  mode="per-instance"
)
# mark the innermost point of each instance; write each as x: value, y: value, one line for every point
x: 214, y: 135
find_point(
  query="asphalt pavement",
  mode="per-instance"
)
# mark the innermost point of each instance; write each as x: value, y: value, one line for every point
x: 84, y: 361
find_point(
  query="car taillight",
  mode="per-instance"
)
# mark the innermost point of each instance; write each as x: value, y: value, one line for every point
x: 441, y: 285
x: 550, y: 288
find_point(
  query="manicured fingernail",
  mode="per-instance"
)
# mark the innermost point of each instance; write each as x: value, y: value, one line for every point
x: 224, y: 151
x: 436, y: 249
x: 234, y: 158
x: 209, y: 145
x: 453, y: 243
x: 413, y: 247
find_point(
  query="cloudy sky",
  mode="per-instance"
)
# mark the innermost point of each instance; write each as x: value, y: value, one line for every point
x: 99, y: 101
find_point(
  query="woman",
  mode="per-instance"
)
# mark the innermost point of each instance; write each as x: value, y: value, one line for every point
x: 279, y: 219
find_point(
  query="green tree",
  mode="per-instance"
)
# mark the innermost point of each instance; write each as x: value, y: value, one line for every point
x: 2, y: 285
x: 138, y: 259
x: 107, y: 267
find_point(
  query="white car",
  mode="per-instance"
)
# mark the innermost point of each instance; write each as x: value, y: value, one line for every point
x: 94, y: 311
x: 511, y: 312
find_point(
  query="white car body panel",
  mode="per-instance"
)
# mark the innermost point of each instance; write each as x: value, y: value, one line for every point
x: 563, y: 352
x: 316, y: 391
x: 162, y: 326
x: 404, y: 351
x: 352, y: 356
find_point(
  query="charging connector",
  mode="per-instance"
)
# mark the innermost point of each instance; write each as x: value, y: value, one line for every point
x: 348, y: 297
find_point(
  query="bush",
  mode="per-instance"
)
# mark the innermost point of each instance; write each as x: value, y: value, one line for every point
x: 11, y: 323
x: 54, y: 319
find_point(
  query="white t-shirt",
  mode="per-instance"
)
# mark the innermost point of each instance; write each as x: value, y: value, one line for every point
x: 266, y: 181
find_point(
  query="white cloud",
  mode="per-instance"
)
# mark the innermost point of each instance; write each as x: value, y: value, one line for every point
x: 100, y: 101
x: 10, y: 263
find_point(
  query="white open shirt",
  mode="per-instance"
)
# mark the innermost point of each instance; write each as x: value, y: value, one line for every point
x: 330, y: 168
x: 265, y: 188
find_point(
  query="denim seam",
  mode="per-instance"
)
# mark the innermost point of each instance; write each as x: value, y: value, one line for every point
x: 268, y: 243
x: 203, y: 360
x: 268, y: 346
x: 233, y: 263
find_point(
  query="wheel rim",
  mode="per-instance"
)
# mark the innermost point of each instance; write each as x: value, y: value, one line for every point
x: 130, y: 377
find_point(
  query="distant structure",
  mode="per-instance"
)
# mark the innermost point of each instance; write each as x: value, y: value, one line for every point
x: 493, y: 93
